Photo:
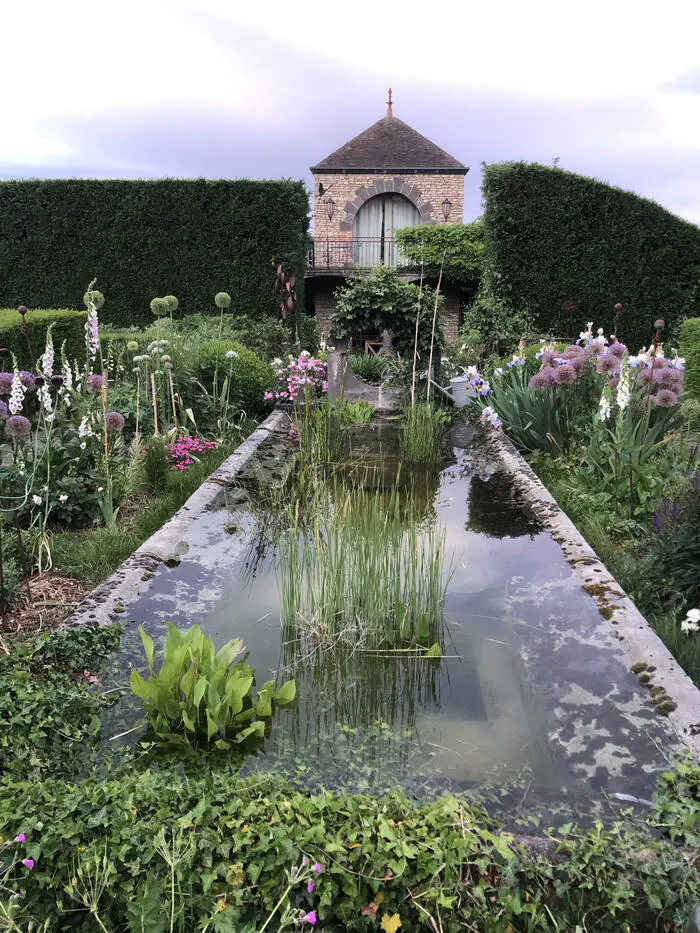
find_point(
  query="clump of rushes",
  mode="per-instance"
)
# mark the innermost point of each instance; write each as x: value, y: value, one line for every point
x: 423, y: 427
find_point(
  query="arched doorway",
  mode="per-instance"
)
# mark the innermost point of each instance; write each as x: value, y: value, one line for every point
x: 373, y: 229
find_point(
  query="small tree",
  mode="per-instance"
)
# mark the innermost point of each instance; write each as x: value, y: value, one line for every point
x: 382, y: 301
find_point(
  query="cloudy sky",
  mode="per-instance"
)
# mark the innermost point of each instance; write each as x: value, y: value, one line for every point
x: 229, y: 88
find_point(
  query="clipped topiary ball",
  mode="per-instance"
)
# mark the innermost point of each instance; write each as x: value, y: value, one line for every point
x: 171, y: 303
x: 94, y: 298
x: 222, y: 300
x: 158, y: 306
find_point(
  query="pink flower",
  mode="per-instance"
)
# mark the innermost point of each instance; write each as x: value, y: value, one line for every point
x: 20, y: 838
x: 317, y: 868
x: 267, y: 396
x: 310, y: 887
x: 28, y: 863
x: 309, y: 918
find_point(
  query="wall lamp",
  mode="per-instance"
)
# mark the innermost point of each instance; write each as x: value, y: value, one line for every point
x: 446, y: 208
x: 330, y: 208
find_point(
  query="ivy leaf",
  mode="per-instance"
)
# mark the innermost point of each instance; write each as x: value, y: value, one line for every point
x: 391, y: 923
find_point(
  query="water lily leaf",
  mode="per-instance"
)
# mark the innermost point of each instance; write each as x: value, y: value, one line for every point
x: 139, y: 686
x: 286, y: 693
x: 391, y: 923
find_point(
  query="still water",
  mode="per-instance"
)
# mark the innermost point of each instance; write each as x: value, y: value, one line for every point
x: 532, y: 689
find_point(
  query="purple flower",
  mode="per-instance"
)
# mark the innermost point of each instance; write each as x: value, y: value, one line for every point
x: 607, y: 364
x: 539, y: 381
x: 28, y: 863
x: 27, y: 379
x: 310, y: 887
x: 18, y: 426
x: 644, y: 377
x: 548, y: 358
x: 94, y: 384
x: 564, y: 375
x: 617, y: 349
x: 309, y: 918
x: 665, y: 398
x: 574, y: 352
x: 668, y: 378
x: 20, y: 838
x: 6, y: 383
x: 114, y: 421
x: 594, y: 349
x: 317, y: 868
x: 3, y: 411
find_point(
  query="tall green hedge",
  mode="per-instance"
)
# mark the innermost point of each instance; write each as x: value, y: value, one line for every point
x: 564, y: 249
x: 144, y: 239
x: 69, y: 327
x: 690, y: 349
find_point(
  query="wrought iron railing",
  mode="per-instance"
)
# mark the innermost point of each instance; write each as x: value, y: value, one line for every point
x: 339, y: 254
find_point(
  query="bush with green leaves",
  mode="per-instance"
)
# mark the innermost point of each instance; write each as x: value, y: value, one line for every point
x: 564, y: 248
x: 68, y: 331
x: 382, y: 301
x: 690, y: 350
x: 456, y: 249
x: 249, y: 377
x: 200, y: 694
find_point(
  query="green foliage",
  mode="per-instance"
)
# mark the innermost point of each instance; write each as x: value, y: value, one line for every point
x: 228, y: 233
x: 381, y: 301
x: 565, y: 248
x: 248, y: 376
x: 68, y: 326
x: 690, y: 350
x: 154, y: 464
x: 371, y: 368
x: 674, y: 555
x: 358, y: 412
x: 200, y: 693
x: 457, y: 248
x: 422, y: 429
x: 48, y: 717
x: 217, y: 853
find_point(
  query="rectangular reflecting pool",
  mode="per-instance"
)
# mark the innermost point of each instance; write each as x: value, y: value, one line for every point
x: 531, y: 693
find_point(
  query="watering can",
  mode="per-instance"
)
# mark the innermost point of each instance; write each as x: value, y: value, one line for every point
x: 459, y: 392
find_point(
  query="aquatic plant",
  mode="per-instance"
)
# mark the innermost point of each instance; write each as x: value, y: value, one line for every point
x: 423, y: 427
x: 354, y: 574
x: 203, y: 694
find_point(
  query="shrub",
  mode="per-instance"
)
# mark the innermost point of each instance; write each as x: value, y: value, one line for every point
x: 227, y: 234
x: 458, y: 248
x: 250, y: 377
x: 565, y: 248
x: 690, y: 349
x: 69, y: 326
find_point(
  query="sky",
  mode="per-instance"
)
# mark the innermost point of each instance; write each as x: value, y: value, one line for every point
x: 230, y: 89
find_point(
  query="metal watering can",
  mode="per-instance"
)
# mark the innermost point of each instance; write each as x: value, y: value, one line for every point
x: 459, y: 391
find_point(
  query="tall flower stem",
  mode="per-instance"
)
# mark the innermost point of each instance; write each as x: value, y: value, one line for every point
x: 415, y: 337
x: 155, y: 404
x: 432, y: 332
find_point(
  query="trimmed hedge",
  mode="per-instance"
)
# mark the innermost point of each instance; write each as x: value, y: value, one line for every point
x: 690, y: 349
x: 250, y: 377
x: 458, y: 248
x: 69, y: 326
x: 143, y: 239
x: 563, y: 249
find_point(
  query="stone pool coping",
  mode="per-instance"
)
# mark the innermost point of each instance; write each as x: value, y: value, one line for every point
x: 106, y: 603
x: 637, y: 638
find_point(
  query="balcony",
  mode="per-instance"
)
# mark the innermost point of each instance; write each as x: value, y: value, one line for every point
x: 345, y: 255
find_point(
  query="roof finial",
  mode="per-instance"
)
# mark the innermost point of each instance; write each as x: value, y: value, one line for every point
x: 389, y: 111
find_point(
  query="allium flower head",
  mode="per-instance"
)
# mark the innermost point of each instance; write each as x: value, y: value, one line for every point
x: 565, y: 375
x: 669, y: 378
x: 114, y: 421
x: 573, y: 352
x: 94, y: 384
x: 539, y: 381
x: 28, y: 380
x: 594, y: 349
x: 18, y: 426
x: 617, y: 349
x: 665, y: 398
x: 4, y: 411
x: 222, y: 300
x: 6, y: 383
x: 607, y: 364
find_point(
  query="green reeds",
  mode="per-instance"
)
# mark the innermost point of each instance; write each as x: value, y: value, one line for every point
x: 356, y: 575
x: 423, y: 428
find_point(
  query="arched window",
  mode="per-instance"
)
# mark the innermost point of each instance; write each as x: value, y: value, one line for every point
x: 373, y: 229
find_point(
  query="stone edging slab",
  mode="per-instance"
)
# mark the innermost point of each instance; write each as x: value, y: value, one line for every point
x: 639, y: 641
x: 108, y: 600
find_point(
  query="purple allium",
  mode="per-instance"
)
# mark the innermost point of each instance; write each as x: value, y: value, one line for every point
x: 574, y: 352
x: 20, y: 838
x: 607, y: 365
x: 3, y: 411
x: 114, y: 421
x: 94, y: 384
x: 668, y: 378
x: 28, y: 863
x: 594, y: 349
x: 6, y: 383
x: 644, y: 377
x: 614, y: 382
x: 539, y: 381
x: 18, y: 426
x: 564, y: 375
x: 665, y: 398
x: 548, y: 358
x: 28, y: 380
x: 57, y: 381
x: 617, y: 349
x: 39, y: 382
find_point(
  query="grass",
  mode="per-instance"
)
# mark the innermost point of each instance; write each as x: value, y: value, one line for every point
x: 356, y: 572
x: 95, y: 553
x: 422, y: 431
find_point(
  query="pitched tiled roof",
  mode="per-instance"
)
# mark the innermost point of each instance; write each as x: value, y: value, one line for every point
x: 390, y: 145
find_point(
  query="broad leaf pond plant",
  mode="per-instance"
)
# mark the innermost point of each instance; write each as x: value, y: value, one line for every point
x: 201, y: 695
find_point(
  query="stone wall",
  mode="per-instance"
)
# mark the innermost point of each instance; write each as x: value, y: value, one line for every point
x: 349, y: 192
